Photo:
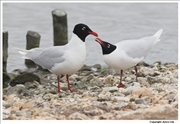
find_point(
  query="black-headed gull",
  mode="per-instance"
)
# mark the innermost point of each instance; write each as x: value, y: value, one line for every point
x: 66, y: 59
x: 127, y: 53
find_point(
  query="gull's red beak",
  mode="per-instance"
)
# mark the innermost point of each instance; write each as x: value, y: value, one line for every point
x: 93, y: 33
x: 99, y: 41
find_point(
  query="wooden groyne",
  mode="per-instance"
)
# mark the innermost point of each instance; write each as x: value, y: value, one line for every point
x: 60, y: 27
x: 5, y: 49
x: 60, y: 37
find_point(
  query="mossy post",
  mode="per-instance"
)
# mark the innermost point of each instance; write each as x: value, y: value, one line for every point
x: 60, y: 27
x: 5, y: 49
x: 32, y: 41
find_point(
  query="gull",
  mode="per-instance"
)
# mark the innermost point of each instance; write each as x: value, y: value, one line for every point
x: 127, y: 53
x: 66, y: 59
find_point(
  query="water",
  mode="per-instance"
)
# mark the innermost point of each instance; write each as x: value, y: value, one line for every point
x: 113, y: 22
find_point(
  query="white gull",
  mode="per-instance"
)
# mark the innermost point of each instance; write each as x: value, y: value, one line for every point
x: 127, y: 53
x: 66, y: 59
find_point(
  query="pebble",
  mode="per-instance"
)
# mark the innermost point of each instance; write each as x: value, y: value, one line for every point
x: 132, y: 86
x: 106, y: 116
x: 170, y: 96
x: 110, y: 89
x: 139, y: 101
x: 50, y: 96
x: 23, y: 78
x: 110, y: 80
x: 163, y: 102
x: 130, y: 105
x: 119, y: 99
x: 78, y: 116
x: 173, y: 80
x: 122, y: 104
x: 104, y: 96
x: 145, y: 71
x: 90, y: 110
x: 175, y: 104
x: 154, y: 96
x: 141, y: 92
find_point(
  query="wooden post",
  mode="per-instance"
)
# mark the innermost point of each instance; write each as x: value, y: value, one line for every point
x: 5, y: 49
x: 32, y: 41
x: 60, y: 27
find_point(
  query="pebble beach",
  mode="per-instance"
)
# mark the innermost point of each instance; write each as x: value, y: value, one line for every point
x: 32, y: 94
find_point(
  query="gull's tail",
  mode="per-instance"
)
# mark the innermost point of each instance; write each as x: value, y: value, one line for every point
x: 157, y: 35
x: 23, y: 52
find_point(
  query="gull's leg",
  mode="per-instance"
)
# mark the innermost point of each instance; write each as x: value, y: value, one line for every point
x: 58, y: 79
x: 69, y: 88
x: 121, y: 84
x: 135, y: 67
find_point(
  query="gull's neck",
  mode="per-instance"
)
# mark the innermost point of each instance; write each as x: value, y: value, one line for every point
x: 75, y: 39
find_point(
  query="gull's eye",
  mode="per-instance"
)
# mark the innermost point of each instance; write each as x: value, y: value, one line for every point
x: 84, y: 28
x: 108, y: 46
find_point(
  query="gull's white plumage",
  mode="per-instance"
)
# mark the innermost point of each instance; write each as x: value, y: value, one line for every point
x: 127, y: 53
x: 65, y: 59
x: 59, y: 59
x: 130, y: 52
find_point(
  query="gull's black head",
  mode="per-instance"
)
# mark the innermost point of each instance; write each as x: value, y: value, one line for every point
x: 107, y: 48
x: 82, y: 31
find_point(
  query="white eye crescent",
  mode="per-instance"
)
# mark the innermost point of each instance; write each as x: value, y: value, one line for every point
x: 83, y: 28
x: 108, y: 46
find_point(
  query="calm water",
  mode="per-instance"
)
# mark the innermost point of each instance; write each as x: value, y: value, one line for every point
x: 113, y: 22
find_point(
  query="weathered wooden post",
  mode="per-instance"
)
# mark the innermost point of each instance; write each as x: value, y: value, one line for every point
x: 60, y: 27
x: 32, y: 41
x: 5, y: 49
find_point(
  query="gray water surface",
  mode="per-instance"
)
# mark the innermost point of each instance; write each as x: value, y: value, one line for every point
x: 113, y: 22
